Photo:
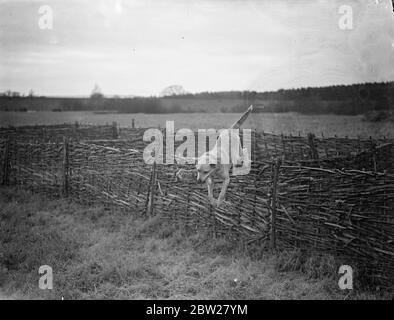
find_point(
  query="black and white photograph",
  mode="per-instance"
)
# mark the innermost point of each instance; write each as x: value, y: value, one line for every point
x: 210, y: 152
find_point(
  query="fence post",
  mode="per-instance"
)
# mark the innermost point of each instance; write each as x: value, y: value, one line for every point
x: 283, y: 146
x: 43, y: 132
x: 114, y: 130
x: 274, y: 203
x: 312, y: 146
x: 254, y: 145
x: 151, y: 192
x: 132, y: 123
x: 373, y: 153
x: 212, y: 215
x: 6, y: 164
x: 65, y: 167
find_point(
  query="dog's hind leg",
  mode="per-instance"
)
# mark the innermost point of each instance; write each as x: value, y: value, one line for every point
x: 244, y: 166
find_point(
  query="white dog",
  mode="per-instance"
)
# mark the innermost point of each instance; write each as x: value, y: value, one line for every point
x: 226, y: 154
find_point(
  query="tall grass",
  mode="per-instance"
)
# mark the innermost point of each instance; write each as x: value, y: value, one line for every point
x: 103, y: 253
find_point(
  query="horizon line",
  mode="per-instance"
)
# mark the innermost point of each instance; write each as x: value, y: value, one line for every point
x: 130, y: 96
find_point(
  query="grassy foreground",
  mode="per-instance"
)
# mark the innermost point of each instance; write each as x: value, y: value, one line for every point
x: 101, y: 253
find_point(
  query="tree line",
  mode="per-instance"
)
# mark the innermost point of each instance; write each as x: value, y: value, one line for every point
x: 340, y: 99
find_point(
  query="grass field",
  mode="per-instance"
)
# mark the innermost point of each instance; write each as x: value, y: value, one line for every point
x: 105, y: 253
x: 286, y: 123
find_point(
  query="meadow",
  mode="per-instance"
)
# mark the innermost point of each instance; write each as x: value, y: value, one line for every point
x: 294, y: 123
x: 99, y: 252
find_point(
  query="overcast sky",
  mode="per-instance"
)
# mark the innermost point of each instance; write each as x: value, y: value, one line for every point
x: 140, y: 47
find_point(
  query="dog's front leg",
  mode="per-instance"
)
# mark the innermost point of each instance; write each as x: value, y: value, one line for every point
x: 223, y: 191
x: 210, y: 192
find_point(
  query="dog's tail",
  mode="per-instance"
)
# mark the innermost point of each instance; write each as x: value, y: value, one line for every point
x: 241, y: 120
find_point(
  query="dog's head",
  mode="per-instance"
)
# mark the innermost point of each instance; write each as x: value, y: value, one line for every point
x: 205, y: 167
x: 204, y: 171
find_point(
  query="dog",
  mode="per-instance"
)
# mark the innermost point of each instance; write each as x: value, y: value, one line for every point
x: 226, y: 154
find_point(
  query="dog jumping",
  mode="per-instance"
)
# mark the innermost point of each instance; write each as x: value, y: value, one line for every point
x: 225, y: 155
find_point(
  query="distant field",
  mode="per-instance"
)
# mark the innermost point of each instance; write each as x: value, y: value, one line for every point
x: 286, y: 123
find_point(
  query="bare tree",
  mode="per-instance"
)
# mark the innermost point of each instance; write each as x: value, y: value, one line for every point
x: 96, y: 92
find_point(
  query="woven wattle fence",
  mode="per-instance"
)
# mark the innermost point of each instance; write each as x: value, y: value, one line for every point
x: 330, y: 195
